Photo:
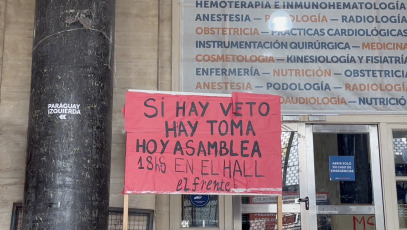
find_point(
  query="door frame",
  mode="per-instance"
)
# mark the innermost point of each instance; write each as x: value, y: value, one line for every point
x: 314, y: 210
x: 389, y: 184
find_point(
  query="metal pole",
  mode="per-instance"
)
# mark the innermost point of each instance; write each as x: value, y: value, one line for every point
x: 69, y: 128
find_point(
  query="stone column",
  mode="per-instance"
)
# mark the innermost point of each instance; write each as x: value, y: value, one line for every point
x: 69, y: 130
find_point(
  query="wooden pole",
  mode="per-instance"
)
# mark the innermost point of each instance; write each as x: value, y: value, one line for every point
x: 280, y: 212
x: 126, y: 212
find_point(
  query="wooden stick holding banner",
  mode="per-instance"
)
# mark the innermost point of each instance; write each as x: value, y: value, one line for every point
x: 126, y: 212
x: 280, y: 213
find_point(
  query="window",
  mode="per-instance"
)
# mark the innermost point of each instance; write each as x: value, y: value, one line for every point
x: 139, y: 219
x: 17, y: 217
x: 200, y: 211
x: 400, y: 169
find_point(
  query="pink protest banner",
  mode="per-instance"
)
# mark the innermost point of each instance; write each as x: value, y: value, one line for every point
x: 202, y: 144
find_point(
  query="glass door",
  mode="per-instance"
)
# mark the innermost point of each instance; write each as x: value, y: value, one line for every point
x: 344, y: 182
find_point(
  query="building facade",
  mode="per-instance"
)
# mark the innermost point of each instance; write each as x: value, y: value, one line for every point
x: 149, y: 55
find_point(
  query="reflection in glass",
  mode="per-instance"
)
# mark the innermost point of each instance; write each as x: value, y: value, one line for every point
x: 290, y: 172
x: 346, y: 222
x: 336, y: 191
x: 400, y: 163
x: 268, y: 221
x: 279, y: 21
x: 401, y: 187
x: 400, y: 152
x: 195, y: 216
x: 290, y: 166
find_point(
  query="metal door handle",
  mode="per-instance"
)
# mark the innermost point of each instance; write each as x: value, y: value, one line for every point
x: 306, y: 200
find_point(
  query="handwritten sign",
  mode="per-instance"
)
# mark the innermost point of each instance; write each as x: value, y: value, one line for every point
x: 202, y: 144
